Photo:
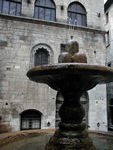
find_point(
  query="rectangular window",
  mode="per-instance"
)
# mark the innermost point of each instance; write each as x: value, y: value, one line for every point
x: 41, y: 13
x: 109, y: 64
x: 47, y: 14
x: 84, y: 20
x: 73, y: 19
x: 12, y: 8
x: 69, y: 18
x: 107, y: 17
x: 79, y: 20
x: 52, y: 15
x: 111, y: 114
x: 0, y: 6
x: 107, y: 39
x: 36, y: 12
x: 63, y: 48
x: 35, y: 124
x: 18, y: 9
x: 5, y: 6
x: 25, y: 124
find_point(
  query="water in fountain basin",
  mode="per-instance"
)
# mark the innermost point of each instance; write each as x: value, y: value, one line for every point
x: 101, y: 142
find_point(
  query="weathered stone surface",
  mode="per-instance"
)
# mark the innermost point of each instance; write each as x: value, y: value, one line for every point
x: 3, y: 43
x: 23, y: 35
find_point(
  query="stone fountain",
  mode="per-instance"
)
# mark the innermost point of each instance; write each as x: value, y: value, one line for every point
x: 71, y: 77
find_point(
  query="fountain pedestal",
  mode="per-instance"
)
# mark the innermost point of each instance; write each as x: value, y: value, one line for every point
x: 71, y: 80
x: 71, y: 134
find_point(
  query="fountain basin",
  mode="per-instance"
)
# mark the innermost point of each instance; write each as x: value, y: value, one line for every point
x: 71, y: 80
x: 36, y: 140
x: 25, y: 140
x: 81, y: 76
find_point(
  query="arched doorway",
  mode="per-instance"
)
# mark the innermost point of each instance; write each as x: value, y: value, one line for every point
x: 30, y: 119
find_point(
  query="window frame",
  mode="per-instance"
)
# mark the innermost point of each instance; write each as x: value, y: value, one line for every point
x: 44, y: 9
x: 38, y: 46
x: 36, y: 116
x: 41, y: 51
x: 83, y: 15
x: 107, y: 17
x: 107, y: 39
x: 9, y: 7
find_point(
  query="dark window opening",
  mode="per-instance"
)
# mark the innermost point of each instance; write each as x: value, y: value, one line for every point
x: 111, y: 102
x: 77, y: 14
x: 107, y: 17
x: 107, y: 39
x: 109, y: 64
x: 10, y: 7
x: 63, y: 48
x: 110, y: 114
x: 45, y: 10
x: 30, y: 119
x: 41, y: 57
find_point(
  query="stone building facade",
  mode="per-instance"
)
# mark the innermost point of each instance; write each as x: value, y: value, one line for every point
x: 109, y: 59
x: 23, y: 34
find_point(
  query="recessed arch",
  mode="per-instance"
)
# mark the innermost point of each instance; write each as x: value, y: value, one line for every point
x: 41, y: 47
x: 41, y: 57
x: 30, y: 119
x: 77, y: 14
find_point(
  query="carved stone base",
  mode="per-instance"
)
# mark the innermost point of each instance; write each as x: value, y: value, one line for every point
x: 71, y: 134
x: 62, y: 141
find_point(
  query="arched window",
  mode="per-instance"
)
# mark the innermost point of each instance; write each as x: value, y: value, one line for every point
x: 45, y: 10
x: 41, y: 54
x: 10, y: 7
x: 41, y: 57
x: 30, y: 119
x: 76, y: 14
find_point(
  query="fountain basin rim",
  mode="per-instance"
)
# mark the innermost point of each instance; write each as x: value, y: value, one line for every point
x: 79, y: 76
x: 79, y: 66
